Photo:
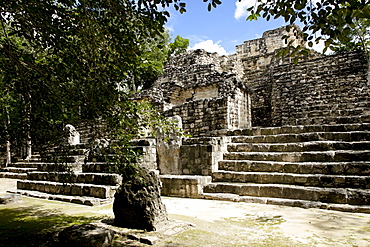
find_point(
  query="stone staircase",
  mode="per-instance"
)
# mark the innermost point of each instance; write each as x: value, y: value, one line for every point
x: 62, y: 174
x: 87, y: 187
x: 325, y: 166
x: 19, y: 168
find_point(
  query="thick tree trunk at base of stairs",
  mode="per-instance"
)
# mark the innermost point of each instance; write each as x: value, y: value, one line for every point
x: 138, y: 203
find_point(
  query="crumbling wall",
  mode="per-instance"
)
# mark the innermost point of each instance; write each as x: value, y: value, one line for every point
x: 319, y: 90
x: 206, y: 98
x: 324, y: 90
x: 201, y: 116
x: 259, y: 54
x: 253, y: 64
x: 271, y: 40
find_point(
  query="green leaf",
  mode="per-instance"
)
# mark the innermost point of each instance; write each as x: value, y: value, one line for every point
x: 296, y: 60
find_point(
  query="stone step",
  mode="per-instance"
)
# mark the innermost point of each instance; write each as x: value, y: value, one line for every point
x: 78, y: 149
x: 184, y: 185
x: 71, y: 189
x: 13, y: 175
x: 332, y: 107
x: 333, y: 120
x: 61, y: 152
x: 80, y: 146
x: 287, y: 202
x: 326, y: 195
x: 50, y: 158
x: 60, y: 167
x: 353, y: 136
x: 18, y: 169
x: 361, y: 168
x: 84, y: 200
x: 98, y: 167
x: 312, y: 113
x: 312, y: 156
x: 298, y: 129
x: 26, y: 164
x: 298, y: 147
x: 317, y: 180
x: 34, y: 158
x: 90, y: 178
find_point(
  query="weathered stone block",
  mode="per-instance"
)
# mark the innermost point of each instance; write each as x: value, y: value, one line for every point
x: 138, y: 204
x: 86, y: 236
x: 76, y: 190
x: 68, y: 189
x: 183, y: 186
x: 253, y: 190
x: 97, y: 192
x: 10, y: 198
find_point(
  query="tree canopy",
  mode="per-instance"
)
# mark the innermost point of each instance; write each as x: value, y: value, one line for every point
x: 179, y: 45
x: 359, y: 38
x: 332, y: 21
x: 65, y: 60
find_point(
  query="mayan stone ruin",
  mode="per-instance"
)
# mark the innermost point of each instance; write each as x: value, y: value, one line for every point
x: 263, y: 130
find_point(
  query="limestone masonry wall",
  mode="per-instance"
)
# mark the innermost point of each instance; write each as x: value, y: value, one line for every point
x: 195, y: 88
x: 270, y: 41
x: 326, y: 90
x: 202, y: 115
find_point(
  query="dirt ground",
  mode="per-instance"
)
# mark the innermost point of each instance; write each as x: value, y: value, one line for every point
x: 220, y: 223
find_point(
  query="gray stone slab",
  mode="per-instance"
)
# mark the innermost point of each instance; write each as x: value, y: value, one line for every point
x: 10, y: 198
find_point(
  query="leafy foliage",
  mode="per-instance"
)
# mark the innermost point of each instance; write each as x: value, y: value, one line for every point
x: 141, y: 119
x: 152, y: 63
x: 179, y: 45
x: 328, y: 20
x: 359, y: 38
x: 71, y: 60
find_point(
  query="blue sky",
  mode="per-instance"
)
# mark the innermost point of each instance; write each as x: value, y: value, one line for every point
x: 221, y: 29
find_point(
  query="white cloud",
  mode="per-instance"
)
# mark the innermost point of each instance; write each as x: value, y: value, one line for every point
x: 170, y: 28
x: 320, y: 47
x: 196, y: 38
x: 241, y: 8
x: 210, y: 46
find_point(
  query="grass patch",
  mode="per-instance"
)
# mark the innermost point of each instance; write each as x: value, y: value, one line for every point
x: 201, y: 238
x: 366, y: 228
x: 233, y: 232
x: 34, y: 226
x: 256, y: 221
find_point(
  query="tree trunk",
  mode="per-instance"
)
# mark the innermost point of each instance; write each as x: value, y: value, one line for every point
x: 8, y: 157
x: 7, y: 141
x: 28, y: 144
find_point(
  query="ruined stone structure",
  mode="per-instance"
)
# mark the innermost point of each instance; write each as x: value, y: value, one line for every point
x: 326, y: 90
x: 206, y: 99
x: 309, y: 140
x: 260, y: 54
x: 263, y: 130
